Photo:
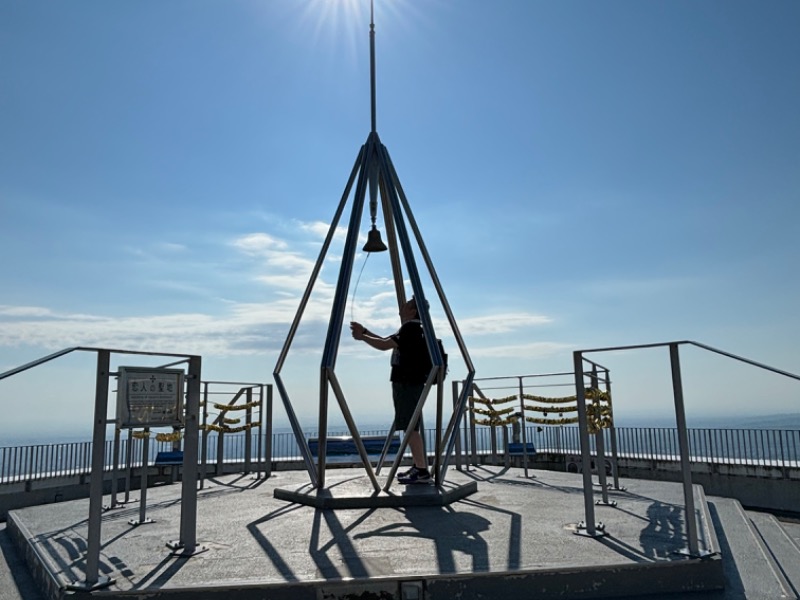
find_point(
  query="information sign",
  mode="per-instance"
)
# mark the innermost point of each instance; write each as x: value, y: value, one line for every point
x: 149, y: 397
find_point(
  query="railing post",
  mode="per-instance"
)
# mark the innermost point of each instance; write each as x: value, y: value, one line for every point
x: 591, y: 529
x: 115, y: 468
x: 92, y: 579
x: 187, y: 545
x: 473, y: 434
x: 458, y: 426
x: 683, y: 444
x: 522, y: 425
x: 248, y: 438
x: 143, y: 478
x: 268, y: 440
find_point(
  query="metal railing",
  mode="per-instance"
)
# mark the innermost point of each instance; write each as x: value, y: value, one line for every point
x: 751, y: 447
x: 580, y: 365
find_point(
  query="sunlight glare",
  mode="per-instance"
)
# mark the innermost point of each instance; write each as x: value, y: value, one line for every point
x: 335, y: 24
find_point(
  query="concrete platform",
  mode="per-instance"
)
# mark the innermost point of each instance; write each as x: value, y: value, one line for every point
x: 512, y: 537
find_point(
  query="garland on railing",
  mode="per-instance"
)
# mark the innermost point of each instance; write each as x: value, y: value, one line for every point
x: 541, y: 421
x: 492, y: 401
x: 598, y: 416
x: 598, y: 411
x: 229, y: 421
x: 589, y: 394
x: 160, y: 437
x: 223, y: 429
x: 545, y: 400
x: 224, y: 407
x: 495, y: 421
x: 493, y: 413
x: 546, y: 410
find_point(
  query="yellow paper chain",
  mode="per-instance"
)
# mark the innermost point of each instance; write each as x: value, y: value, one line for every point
x: 226, y: 407
x: 223, y: 429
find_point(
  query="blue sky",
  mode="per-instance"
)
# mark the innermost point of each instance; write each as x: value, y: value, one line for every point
x: 584, y: 174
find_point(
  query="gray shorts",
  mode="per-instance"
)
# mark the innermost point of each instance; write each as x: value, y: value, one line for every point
x: 405, y: 396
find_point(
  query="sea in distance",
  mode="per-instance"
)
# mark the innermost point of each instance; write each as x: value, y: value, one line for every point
x: 788, y: 421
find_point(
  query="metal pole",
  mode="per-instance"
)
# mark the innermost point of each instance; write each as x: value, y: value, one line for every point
x: 92, y: 579
x: 268, y: 466
x: 115, y: 468
x: 473, y: 434
x: 204, y: 448
x: 248, y: 440
x: 524, y: 428
x: 385, y: 450
x: 143, y: 480
x: 372, y: 63
x: 260, y: 434
x: 297, y: 429
x: 586, y: 459
x: 683, y: 443
x: 128, y: 465
x: 454, y: 389
x: 600, y: 441
x: 188, y: 539
x: 612, y: 435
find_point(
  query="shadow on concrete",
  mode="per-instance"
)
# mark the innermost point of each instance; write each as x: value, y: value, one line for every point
x: 733, y: 581
x: 451, y: 531
x: 161, y: 573
x: 663, y: 535
x: 272, y: 553
x: 17, y: 580
x: 499, y: 477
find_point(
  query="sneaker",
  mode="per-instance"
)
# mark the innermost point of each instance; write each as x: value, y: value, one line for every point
x: 416, y: 476
x: 407, y: 472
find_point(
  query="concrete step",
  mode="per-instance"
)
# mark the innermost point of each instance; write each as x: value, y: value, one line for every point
x: 16, y: 581
x: 750, y: 570
x: 780, y: 547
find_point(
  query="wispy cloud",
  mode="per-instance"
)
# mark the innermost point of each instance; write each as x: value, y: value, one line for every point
x: 501, y: 323
x: 242, y: 329
x: 235, y: 327
x: 259, y: 244
x: 537, y: 350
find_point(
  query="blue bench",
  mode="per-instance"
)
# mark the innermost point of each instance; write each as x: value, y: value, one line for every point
x: 165, y: 459
x: 516, y: 448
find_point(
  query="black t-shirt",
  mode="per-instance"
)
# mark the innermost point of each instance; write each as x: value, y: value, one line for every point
x: 411, y: 362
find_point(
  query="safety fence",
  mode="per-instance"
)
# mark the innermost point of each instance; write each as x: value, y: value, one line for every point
x: 754, y: 447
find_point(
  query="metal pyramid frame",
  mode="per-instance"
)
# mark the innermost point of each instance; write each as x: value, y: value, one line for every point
x: 373, y: 170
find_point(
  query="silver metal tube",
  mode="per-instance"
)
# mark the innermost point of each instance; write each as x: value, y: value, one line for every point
x: 143, y: 477
x: 268, y: 466
x: 386, y: 445
x: 115, y: 468
x: 416, y: 417
x: 458, y: 449
x: 588, y: 495
x: 204, y: 440
x: 248, y: 439
x: 318, y: 267
x: 351, y: 425
x: 333, y: 337
x: 96, y: 478
x: 524, y: 428
x: 188, y: 530
x: 683, y: 441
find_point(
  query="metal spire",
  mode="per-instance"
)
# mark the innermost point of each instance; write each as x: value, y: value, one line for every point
x: 372, y: 60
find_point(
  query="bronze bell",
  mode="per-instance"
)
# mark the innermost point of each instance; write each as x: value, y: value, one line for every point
x: 374, y: 241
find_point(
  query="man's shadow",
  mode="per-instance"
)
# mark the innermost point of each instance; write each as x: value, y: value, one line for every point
x: 664, y: 532
x: 451, y: 532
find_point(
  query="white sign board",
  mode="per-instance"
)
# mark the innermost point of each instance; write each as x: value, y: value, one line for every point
x: 148, y: 397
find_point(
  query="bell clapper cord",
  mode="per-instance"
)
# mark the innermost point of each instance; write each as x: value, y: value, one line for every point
x: 355, y: 288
